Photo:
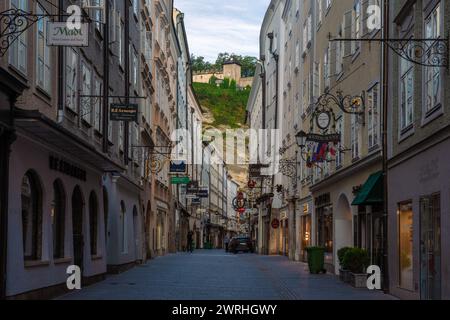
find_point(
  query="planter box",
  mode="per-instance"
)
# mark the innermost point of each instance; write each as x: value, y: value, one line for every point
x: 358, y: 280
x: 344, y: 276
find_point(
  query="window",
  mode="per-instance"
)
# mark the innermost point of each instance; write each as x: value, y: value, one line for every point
x: 71, y: 78
x: 405, y: 241
x: 339, y: 48
x: 319, y: 11
x: 327, y: 67
x: 136, y: 7
x: 120, y: 37
x: 135, y: 69
x: 93, y: 222
x: 373, y: 106
x: 98, y: 14
x: 86, y: 87
x: 31, y: 200
x: 297, y: 54
x: 356, y: 26
x: 97, y: 92
x: 42, y: 53
x: 58, y: 215
x: 18, y: 49
x: 433, y: 75
x: 406, y: 94
x: 121, y: 135
x: 355, y: 137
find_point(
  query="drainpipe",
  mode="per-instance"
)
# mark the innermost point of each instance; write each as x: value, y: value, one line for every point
x: 105, y: 108
x: 127, y: 78
x: 385, y: 34
x: 60, y: 115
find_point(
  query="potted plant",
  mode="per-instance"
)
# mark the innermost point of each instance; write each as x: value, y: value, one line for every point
x: 357, y: 260
x: 344, y: 274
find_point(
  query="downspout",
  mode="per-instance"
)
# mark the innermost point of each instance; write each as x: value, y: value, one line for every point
x: 106, y: 79
x: 61, y: 83
x: 385, y: 35
x: 127, y: 79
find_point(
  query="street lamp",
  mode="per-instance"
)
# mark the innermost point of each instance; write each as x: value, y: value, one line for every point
x: 301, y: 139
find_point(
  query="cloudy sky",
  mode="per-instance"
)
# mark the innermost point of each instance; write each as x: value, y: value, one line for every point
x: 214, y: 26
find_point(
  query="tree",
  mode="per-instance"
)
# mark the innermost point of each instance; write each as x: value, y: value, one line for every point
x: 233, y: 84
x: 225, y: 84
x: 198, y: 64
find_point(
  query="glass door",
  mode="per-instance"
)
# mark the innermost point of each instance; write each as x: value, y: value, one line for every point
x: 430, y: 248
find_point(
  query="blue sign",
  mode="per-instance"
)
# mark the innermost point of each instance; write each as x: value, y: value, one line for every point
x: 178, y: 166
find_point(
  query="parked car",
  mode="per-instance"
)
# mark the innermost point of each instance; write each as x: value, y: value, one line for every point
x: 240, y: 244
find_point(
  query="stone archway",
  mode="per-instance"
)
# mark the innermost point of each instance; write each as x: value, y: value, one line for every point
x: 342, y: 227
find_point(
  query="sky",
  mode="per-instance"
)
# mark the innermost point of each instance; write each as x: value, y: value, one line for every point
x: 215, y: 26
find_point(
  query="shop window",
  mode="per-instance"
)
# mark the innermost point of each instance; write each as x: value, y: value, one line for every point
x: 93, y: 222
x: 31, y: 216
x: 58, y: 215
x: 405, y: 241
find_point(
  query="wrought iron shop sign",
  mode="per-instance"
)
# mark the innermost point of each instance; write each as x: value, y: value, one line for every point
x: 124, y: 112
x: 58, y: 34
x: 326, y: 138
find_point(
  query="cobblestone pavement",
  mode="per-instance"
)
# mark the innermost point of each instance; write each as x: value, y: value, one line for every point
x: 216, y: 275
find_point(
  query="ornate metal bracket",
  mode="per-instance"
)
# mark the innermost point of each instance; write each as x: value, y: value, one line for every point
x: 351, y: 104
x: 423, y: 52
x: 288, y: 167
x: 13, y: 23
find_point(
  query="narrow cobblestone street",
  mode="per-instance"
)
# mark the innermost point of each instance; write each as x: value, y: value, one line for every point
x: 211, y: 275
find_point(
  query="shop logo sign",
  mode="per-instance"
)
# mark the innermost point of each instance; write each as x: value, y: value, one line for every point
x: 60, y: 35
x: 374, y: 279
x: 74, y: 280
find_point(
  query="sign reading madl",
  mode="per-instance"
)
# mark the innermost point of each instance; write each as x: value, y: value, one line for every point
x: 58, y: 34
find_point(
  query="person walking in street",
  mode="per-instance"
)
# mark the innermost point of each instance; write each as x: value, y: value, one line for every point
x: 227, y: 242
x: 190, y: 242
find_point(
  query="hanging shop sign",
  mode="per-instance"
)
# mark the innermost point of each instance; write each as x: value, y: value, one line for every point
x: 192, y: 188
x: 196, y: 201
x: 255, y: 170
x: 178, y: 166
x: 203, y: 192
x: 251, y: 184
x: 324, y: 138
x: 58, y: 34
x: 124, y: 112
x: 275, y: 223
x: 179, y: 180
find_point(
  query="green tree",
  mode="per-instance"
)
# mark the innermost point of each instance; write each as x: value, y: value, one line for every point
x: 212, y: 80
x: 225, y: 84
x: 233, y: 84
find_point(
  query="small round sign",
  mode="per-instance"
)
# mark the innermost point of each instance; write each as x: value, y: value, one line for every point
x: 323, y: 120
x: 275, y: 223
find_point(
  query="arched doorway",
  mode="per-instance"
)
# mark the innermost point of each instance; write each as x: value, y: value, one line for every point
x: 342, y: 227
x: 105, y: 214
x: 77, y: 226
x: 136, y: 233
x: 31, y: 199
x: 93, y: 222
x: 58, y: 214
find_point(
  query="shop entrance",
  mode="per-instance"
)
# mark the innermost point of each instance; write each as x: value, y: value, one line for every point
x: 430, y: 248
x: 77, y: 226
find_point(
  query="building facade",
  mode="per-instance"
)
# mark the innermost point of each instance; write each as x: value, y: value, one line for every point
x: 418, y: 173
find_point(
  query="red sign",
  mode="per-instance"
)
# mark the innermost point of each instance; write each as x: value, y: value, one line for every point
x: 275, y: 223
x: 241, y: 210
x: 252, y: 184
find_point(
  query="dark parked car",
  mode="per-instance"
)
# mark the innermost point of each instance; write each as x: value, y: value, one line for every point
x: 240, y: 244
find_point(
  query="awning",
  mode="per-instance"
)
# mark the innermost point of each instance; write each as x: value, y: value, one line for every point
x: 371, y: 192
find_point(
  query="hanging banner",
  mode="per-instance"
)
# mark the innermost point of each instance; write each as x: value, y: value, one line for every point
x: 58, y: 34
